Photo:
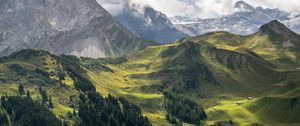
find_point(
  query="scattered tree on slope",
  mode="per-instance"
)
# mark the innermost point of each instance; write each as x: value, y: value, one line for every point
x: 179, y: 108
x: 26, y: 112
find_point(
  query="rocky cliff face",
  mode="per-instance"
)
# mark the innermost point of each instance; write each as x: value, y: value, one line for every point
x: 78, y: 27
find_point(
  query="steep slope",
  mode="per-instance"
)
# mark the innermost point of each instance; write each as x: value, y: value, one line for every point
x: 58, y: 84
x: 244, y: 21
x: 236, y: 79
x: 34, y: 69
x: 274, y: 42
x: 147, y: 23
x: 213, y: 77
x: 189, y: 66
x: 80, y: 27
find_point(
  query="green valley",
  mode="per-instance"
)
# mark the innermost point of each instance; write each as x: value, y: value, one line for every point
x: 237, y: 80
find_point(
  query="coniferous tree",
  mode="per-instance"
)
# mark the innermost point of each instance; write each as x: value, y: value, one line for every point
x: 180, y: 108
x: 21, y: 89
x: 44, y: 95
x: 26, y: 112
x: 4, y: 120
x: 95, y: 110
x: 28, y: 95
x: 50, y: 103
x: 74, y: 112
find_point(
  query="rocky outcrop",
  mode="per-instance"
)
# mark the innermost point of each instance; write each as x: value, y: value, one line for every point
x: 78, y: 27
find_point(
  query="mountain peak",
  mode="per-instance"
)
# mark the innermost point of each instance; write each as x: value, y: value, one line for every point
x: 149, y: 23
x: 275, y: 27
x: 74, y: 27
x: 243, y: 6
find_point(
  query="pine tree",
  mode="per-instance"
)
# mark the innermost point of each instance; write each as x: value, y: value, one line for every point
x: 28, y: 95
x: 43, y: 93
x: 21, y: 89
x: 27, y: 112
x: 40, y: 89
x: 4, y: 120
x: 50, y: 102
x: 74, y: 112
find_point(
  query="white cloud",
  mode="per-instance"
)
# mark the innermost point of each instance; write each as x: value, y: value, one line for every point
x: 286, y: 5
x: 113, y: 6
x: 199, y: 8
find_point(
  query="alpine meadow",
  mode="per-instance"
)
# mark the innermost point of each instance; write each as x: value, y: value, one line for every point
x: 80, y: 63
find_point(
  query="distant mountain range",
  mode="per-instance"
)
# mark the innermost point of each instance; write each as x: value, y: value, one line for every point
x: 84, y: 28
x: 245, y: 20
x: 148, y: 23
x: 76, y: 27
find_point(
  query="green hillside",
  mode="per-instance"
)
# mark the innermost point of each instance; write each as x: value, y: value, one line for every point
x: 221, y: 73
x: 274, y: 42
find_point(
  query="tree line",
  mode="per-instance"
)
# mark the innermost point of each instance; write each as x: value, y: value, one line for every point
x: 181, y: 109
x: 23, y: 111
x: 96, y: 110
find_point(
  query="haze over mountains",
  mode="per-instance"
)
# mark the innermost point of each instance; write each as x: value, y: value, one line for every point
x: 147, y: 22
x: 80, y: 27
x: 245, y: 20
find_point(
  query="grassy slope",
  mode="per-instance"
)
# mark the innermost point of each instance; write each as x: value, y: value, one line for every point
x: 273, y: 106
x: 239, y: 75
x: 220, y: 77
x: 28, y: 61
x: 264, y: 45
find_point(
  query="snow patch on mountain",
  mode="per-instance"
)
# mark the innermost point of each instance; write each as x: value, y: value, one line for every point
x: 245, y: 20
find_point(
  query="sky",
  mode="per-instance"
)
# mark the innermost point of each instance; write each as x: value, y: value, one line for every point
x: 199, y: 8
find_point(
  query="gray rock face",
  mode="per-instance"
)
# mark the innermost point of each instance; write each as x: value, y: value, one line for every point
x: 77, y: 27
x: 148, y: 23
x: 246, y: 20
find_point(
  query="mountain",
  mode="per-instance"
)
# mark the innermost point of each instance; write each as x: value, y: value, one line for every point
x: 245, y: 20
x: 275, y: 27
x: 148, y: 23
x: 243, y: 6
x: 227, y: 78
x: 50, y: 87
x: 273, y: 41
x: 80, y: 27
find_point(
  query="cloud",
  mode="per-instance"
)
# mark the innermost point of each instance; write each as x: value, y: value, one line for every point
x: 114, y: 7
x: 286, y: 5
x: 199, y: 8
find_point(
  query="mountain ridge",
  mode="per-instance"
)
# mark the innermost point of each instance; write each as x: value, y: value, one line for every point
x: 243, y: 6
x: 243, y: 21
x: 275, y: 26
x: 80, y: 28
x: 274, y: 42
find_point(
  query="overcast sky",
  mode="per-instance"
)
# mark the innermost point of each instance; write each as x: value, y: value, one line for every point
x: 199, y: 8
